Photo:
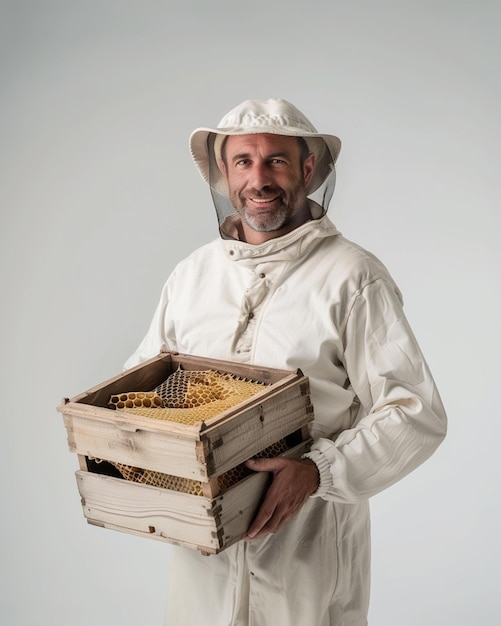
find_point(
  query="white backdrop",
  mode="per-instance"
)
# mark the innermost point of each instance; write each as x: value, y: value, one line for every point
x: 99, y: 199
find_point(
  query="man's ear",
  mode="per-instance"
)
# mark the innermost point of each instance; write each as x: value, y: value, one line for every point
x: 308, y: 167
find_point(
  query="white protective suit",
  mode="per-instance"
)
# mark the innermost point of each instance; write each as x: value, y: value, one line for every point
x: 312, y: 300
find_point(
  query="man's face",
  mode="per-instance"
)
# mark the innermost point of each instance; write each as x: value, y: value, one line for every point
x: 266, y: 183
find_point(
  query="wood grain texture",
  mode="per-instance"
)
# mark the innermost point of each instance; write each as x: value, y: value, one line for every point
x: 203, y: 523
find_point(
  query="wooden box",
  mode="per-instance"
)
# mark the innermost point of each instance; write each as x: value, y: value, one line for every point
x: 209, y: 522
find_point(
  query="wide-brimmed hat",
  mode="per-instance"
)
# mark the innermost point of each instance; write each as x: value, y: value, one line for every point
x: 274, y: 116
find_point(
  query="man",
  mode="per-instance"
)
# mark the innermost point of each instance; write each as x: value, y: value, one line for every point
x: 282, y: 288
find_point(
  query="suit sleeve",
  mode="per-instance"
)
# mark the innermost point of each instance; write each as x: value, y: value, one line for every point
x: 401, y: 420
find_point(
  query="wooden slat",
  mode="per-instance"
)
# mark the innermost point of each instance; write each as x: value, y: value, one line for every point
x: 254, y: 372
x: 148, y: 511
x: 206, y: 524
x: 148, y: 449
x: 130, y: 422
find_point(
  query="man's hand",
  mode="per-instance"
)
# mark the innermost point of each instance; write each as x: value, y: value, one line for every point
x: 293, y: 482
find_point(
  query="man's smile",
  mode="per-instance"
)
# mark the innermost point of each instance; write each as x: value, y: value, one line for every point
x: 264, y: 200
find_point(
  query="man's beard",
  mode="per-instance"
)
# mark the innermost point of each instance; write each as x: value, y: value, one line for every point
x: 267, y: 222
x: 273, y: 219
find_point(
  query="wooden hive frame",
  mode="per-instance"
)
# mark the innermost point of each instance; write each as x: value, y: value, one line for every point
x: 201, y: 452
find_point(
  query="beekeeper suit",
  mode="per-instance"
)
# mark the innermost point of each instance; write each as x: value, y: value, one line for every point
x: 307, y: 299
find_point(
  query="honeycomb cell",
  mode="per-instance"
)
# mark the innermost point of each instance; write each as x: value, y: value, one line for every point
x: 146, y: 399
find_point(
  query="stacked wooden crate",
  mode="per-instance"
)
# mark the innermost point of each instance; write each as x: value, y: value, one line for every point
x: 213, y: 520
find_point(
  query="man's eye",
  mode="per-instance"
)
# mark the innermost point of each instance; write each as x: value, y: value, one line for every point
x: 278, y: 161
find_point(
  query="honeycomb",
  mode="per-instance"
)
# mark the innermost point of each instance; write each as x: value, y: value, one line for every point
x: 194, y: 487
x: 130, y: 400
x: 188, y: 397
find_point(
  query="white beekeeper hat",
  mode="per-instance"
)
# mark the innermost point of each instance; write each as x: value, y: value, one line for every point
x: 273, y: 116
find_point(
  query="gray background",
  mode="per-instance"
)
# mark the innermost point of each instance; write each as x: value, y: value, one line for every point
x: 99, y: 200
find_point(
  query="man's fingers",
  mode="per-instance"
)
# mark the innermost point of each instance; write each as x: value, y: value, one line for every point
x: 267, y: 521
x: 265, y: 465
x: 293, y: 482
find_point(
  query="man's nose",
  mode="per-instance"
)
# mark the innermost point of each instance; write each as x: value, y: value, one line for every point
x: 260, y: 176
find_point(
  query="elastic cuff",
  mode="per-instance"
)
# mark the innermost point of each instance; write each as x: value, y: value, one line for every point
x: 324, y: 472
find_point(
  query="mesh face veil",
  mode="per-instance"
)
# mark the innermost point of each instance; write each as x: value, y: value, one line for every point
x: 318, y: 198
x: 276, y: 117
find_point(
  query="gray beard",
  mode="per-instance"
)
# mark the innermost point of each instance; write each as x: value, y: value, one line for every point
x: 273, y: 222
